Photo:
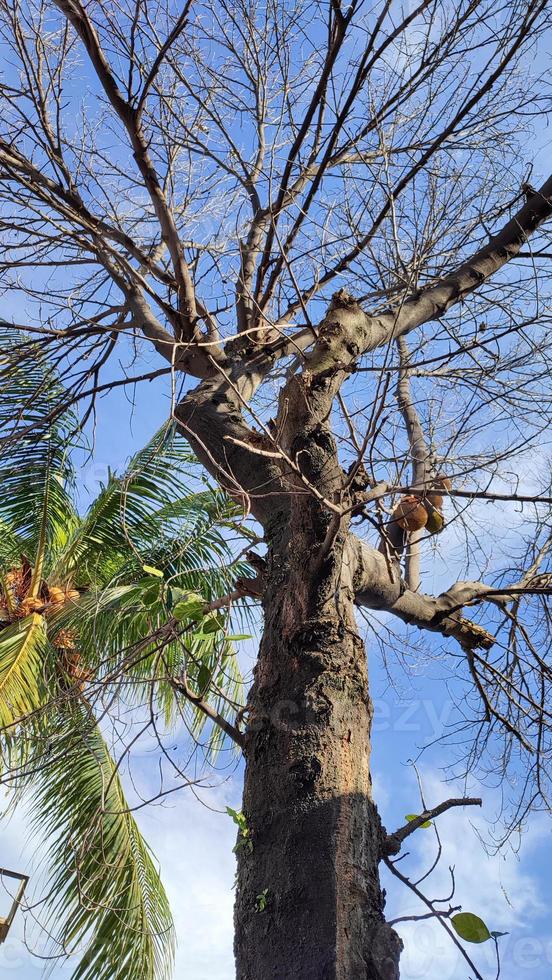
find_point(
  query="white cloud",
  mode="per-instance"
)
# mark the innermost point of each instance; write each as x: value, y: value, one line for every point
x: 498, y: 888
x: 194, y: 846
x: 193, y: 841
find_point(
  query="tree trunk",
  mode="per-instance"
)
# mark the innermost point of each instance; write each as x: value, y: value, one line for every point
x: 309, y: 903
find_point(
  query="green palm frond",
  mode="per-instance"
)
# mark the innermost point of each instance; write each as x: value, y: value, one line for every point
x: 23, y: 650
x: 32, y: 467
x: 120, y: 634
x: 104, y: 885
x: 145, y: 511
x: 109, y: 622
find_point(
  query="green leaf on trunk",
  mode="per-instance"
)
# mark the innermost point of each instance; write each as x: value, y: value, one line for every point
x: 261, y: 901
x: 470, y: 927
x: 238, y: 817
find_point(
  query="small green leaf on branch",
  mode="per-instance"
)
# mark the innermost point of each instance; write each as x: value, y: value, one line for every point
x: 470, y: 927
x: 150, y: 570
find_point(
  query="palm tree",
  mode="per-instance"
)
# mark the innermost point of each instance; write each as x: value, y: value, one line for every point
x: 119, y: 605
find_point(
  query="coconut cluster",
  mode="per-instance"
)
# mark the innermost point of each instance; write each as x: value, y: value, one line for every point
x: 18, y: 602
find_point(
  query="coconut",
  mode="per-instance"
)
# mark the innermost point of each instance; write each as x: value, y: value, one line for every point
x: 29, y: 605
x: 56, y: 595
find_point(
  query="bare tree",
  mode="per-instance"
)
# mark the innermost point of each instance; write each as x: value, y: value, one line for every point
x: 316, y: 220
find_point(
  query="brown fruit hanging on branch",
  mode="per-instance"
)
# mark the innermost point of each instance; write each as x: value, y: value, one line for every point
x: 58, y: 596
x: 435, y: 499
x: 410, y: 513
x: 435, y: 519
x: 440, y: 487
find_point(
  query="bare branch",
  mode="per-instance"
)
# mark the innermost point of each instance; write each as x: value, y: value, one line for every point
x: 393, y: 842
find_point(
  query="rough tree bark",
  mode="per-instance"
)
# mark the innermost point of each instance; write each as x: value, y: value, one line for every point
x: 316, y: 831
